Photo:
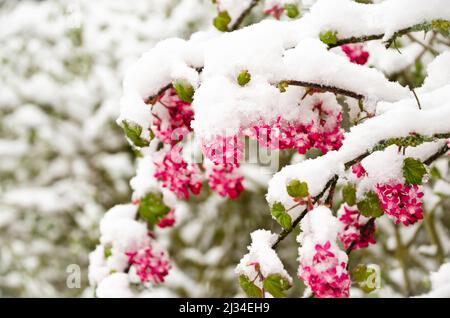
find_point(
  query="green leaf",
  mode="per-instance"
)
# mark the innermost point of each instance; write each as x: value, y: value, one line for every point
x: 349, y: 194
x: 370, y: 206
x: 297, y: 189
x: 133, y: 132
x: 365, y: 277
x: 329, y: 37
x: 291, y: 10
x: 243, y: 78
x: 249, y: 287
x: 184, y: 91
x: 152, y: 208
x: 275, y: 285
x: 222, y: 20
x: 413, y: 171
x: 285, y: 221
x: 280, y: 214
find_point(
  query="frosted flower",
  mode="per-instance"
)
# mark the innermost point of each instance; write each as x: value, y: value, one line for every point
x: 177, y: 175
x: 172, y: 121
x: 325, y: 275
x: 359, y: 170
x: 223, y: 150
x: 356, y: 53
x: 355, y: 229
x: 324, y: 133
x: 225, y: 181
x: 151, y: 265
x: 281, y: 135
x: 168, y: 220
x: 401, y: 202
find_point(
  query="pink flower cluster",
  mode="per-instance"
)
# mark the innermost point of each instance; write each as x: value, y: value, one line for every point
x: 401, y: 202
x: 281, y: 135
x: 226, y: 183
x: 324, y: 134
x: 325, y: 275
x: 355, y: 229
x: 172, y: 122
x: 177, y: 175
x: 356, y: 53
x: 224, y: 150
x: 150, y: 265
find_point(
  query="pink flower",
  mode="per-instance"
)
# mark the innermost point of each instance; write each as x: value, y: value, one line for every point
x: 356, y: 53
x: 172, y: 121
x: 150, y: 265
x: 325, y: 275
x: 359, y: 170
x: 168, y: 220
x: 177, y: 175
x: 280, y: 135
x: 276, y: 11
x: 401, y: 202
x: 355, y: 229
x: 324, y: 133
x: 224, y: 181
x: 224, y: 150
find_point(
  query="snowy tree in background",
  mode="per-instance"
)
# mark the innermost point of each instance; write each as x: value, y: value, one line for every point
x: 348, y: 98
x: 63, y: 159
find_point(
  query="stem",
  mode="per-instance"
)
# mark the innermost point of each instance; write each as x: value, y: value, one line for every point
x: 371, y: 37
x: 439, y: 153
x: 244, y: 13
x: 428, y: 219
x: 332, y: 89
x: 402, y: 255
x: 286, y: 232
x: 366, y: 226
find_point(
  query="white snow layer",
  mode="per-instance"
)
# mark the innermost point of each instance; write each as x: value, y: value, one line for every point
x: 294, y: 53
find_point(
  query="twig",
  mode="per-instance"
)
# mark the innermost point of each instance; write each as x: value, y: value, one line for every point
x: 415, y: 96
x: 327, y: 88
x: 366, y: 38
x: 436, y: 155
x: 244, y: 13
x: 286, y: 232
x: 366, y: 226
x: 424, y: 45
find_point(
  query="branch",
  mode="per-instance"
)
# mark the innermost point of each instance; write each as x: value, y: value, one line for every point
x: 244, y: 13
x: 316, y: 199
x: 332, y: 182
x: 332, y: 89
x: 415, y: 28
x: 153, y: 99
x: 436, y: 155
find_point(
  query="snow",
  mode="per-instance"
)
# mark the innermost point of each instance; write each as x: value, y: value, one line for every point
x: 319, y: 226
x: 438, y: 73
x: 260, y: 251
x: 116, y: 285
x: 440, y: 283
x: 385, y: 18
x: 295, y: 54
